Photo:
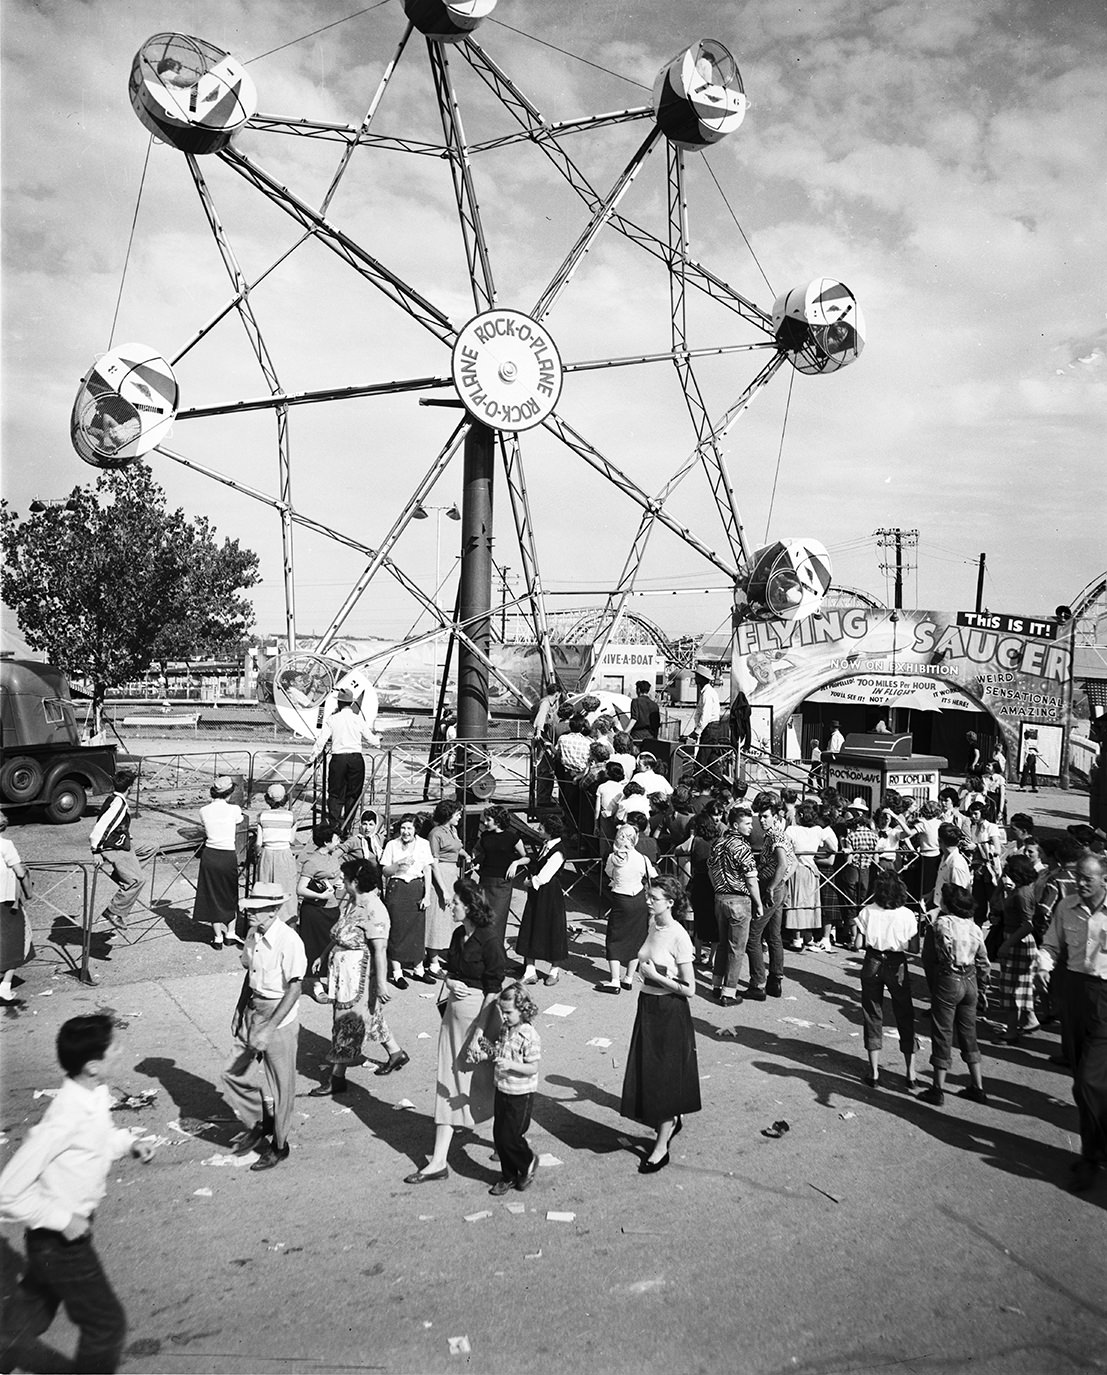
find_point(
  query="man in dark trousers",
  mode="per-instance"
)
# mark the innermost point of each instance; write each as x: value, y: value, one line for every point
x: 346, y: 730
x: 1029, y: 776
x: 110, y: 841
x: 1077, y: 940
x: 645, y: 714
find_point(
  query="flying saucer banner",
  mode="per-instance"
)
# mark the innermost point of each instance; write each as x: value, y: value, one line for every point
x: 1015, y: 667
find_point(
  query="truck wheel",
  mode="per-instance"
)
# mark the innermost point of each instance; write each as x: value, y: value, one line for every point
x: 20, y: 779
x: 67, y: 802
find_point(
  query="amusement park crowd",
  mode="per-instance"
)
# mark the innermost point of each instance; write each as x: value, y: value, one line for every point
x: 708, y: 888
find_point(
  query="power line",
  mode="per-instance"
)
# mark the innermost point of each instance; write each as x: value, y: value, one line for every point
x: 322, y: 29
x: 780, y: 449
x: 564, y: 53
x: 734, y: 217
x: 130, y: 241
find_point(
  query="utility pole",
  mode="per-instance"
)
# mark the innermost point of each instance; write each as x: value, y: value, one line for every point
x: 506, y: 578
x: 980, y: 584
x: 897, y: 539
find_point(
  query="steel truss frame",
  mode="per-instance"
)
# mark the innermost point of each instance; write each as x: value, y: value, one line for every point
x: 685, y: 273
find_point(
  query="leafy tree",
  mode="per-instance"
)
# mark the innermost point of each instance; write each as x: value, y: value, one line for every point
x: 109, y: 580
x: 210, y: 618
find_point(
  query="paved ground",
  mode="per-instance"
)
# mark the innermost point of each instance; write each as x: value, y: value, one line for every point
x: 878, y: 1234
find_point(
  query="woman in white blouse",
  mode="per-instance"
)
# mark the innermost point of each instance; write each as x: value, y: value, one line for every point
x: 628, y: 871
x: 608, y: 795
x: 662, y: 1080
x: 408, y: 867
x: 885, y: 928
x: 803, y: 915
x: 217, y: 882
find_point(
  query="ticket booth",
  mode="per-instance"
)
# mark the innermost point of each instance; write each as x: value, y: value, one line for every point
x: 867, y: 766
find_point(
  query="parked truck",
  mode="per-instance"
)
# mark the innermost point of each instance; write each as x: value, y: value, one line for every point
x: 42, y: 760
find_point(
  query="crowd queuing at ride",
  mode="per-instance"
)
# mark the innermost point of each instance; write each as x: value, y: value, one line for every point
x: 707, y: 889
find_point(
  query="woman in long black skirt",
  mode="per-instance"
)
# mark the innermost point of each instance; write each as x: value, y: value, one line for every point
x: 498, y: 846
x: 543, y: 928
x: 701, y: 893
x: 662, y: 1080
x: 217, y: 882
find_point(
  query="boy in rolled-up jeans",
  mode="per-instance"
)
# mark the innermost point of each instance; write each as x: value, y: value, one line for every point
x: 52, y: 1185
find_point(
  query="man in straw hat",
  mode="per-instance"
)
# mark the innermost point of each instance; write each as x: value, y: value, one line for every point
x: 260, y: 1082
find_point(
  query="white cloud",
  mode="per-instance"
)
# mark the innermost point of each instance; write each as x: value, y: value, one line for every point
x: 945, y: 162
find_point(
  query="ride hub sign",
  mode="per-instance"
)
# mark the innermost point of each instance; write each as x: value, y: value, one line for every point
x: 507, y: 370
x: 1014, y: 667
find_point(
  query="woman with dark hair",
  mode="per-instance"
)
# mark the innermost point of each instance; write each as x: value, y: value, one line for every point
x: 677, y: 825
x: 924, y: 838
x: 408, y: 866
x: 357, y: 976
x: 608, y: 795
x: 449, y: 854
x: 217, y: 882
x: 662, y: 1081
x: 318, y: 887
x: 498, y: 845
x: 543, y: 928
x: 705, y: 832
x: 960, y: 980
x: 1017, y: 952
x: 475, y: 969
x: 886, y: 925
x: 803, y: 913
x: 984, y: 844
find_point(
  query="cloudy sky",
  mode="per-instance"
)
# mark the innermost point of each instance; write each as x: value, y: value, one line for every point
x: 945, y: 161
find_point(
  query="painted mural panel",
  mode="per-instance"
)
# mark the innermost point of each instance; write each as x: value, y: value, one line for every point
x: 1016, y: 667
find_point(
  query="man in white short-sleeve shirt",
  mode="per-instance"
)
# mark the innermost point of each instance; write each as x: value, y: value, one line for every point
x: 268, y: 1029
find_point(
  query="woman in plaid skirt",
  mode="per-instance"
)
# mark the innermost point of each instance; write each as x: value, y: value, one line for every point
x: 1019, y: 948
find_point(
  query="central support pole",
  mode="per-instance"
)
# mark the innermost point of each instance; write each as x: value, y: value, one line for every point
x: 475, y: 594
